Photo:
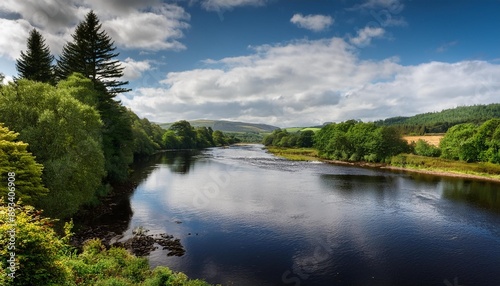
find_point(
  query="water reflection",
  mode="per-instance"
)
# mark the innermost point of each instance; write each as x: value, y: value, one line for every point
x: 247, y: 218
x: 180, y: 161
x: 482, y: 194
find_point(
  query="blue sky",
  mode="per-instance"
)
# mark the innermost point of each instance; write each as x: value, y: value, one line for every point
x: 282, y: 62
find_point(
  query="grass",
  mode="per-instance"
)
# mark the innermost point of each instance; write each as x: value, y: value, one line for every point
x: 295, y: 154
x: 439, y: 165
x: 431, y: 139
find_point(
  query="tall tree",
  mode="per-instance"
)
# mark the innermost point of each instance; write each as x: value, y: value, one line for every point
x: 36, y: 63
x: 92, y: 53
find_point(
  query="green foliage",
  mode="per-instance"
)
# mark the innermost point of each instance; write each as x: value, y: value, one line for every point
x: 423, y: 148
x: 64, y: 135
x: 170, y: 140
x: 218, y: 138
x: 37, y: 248
x: 283, y: 138
x: 357, y: 141
x: 470, y: 143
x: 147, y: 136
x: 440, y: 122
x: 185, y: 133
x: 80, y: 88
x: 43, y: 258
x: 15, y: 158
x: 92, y: 54
x: 458, y: 143
x: 181, y: 135
x: 36, y: 63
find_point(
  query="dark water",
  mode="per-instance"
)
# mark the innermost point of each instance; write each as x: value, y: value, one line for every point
x: 246, y: 217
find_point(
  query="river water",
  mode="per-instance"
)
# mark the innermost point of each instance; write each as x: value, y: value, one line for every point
x: 246, y: 217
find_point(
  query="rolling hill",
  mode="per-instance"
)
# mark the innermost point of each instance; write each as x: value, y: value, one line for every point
x: 440, y: 122
x: 229, y: 126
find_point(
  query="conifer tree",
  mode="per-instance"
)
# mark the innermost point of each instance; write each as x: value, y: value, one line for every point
x: 92, y: 53
x: 36, y: 63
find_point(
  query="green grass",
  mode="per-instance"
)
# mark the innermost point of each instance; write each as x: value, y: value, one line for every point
x: 414, y: 162
x: 295, y: 154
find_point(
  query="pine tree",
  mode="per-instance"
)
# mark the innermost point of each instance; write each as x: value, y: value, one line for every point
x: 36, y: 63
x: 92, y: 54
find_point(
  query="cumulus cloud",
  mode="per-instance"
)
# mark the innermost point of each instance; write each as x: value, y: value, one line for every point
x: 364, y: 36
x: 276, y: 84
x: 13, y: 37
x: 158, y: 29
x: 221, y: 5
x: 311, y: 82
x: 314, y: 23
x: 148, y: 25
x: 134, y: 69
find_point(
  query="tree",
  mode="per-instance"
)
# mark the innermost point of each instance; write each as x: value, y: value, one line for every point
x: 306, y: 139
x: 36, y: 63
x: 92, y: 54
x: 15, y: 159
x: 64, y: 135
x: 186, y: 134
x: 219, y: 138
x: 458, y: 143
x: 422, y: 148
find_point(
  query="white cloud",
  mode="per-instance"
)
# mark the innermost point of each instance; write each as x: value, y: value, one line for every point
x: 158, y: 29
x: 364, y: 36
x: 13, y: 37
x: 311, y: 82
x: 221, y: 5
x: 314, y: 23
x: 134, y: 69
x: 148, y: 25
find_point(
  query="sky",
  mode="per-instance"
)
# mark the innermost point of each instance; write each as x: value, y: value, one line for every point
x: 281, y: 62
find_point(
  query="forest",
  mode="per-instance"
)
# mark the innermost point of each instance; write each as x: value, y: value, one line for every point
x: 440, y: 122
x: 64, y: 142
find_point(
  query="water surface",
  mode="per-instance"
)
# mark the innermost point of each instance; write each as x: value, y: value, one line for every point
x: 246, y: 217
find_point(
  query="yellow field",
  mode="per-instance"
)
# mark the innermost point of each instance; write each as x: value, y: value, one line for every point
x: 431, y: 139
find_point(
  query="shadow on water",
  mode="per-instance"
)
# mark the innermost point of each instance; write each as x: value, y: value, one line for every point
x: 180, y: 161
x: 482, y: 194
x: 114, y: 214
x: 348, y: 183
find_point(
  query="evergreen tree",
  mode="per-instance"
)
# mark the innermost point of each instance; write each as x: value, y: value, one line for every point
x: 36, y: 63
x: 92, y: 54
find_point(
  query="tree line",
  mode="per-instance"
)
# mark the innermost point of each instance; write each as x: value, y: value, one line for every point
x: 65, y: 132
x: 440, y: 122
x: 358, y: 141
x: 349, y: 141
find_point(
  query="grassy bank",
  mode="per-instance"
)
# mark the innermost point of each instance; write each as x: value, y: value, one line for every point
x: 446, y: 167
x: 405, y: 162
x: 295, y: 154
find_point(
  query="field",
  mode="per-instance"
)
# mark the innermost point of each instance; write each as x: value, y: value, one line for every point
x: 431, y: 139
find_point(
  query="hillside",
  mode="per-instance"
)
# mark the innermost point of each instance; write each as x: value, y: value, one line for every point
x: 229, y: 126
x: 440, y: 122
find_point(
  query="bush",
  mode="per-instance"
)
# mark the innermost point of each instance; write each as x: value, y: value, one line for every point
x: 423, y: 148
x: 37, y: 248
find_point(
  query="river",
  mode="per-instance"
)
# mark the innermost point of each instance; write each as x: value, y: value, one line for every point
x: 246, y: 217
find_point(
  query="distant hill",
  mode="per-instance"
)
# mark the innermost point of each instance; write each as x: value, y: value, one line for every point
x: 228, y: 126
x: 440, y: 122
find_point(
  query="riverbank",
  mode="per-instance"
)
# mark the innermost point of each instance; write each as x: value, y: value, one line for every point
x: 404, y: 163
